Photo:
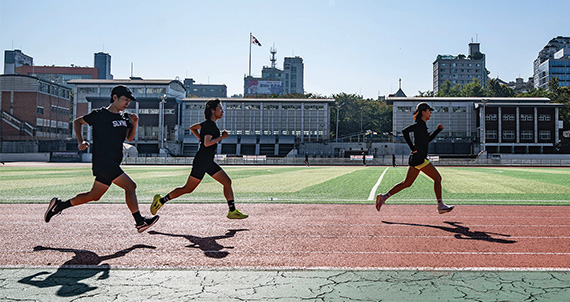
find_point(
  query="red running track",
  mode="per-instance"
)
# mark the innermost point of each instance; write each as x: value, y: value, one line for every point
x: 291, y: 236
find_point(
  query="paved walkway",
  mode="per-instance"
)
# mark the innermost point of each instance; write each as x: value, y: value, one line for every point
x: 104, y: 284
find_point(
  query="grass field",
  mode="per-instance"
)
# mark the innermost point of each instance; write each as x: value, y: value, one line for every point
x: 286, y: 184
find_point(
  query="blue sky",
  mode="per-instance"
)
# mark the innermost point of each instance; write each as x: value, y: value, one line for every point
x: 360, y: 47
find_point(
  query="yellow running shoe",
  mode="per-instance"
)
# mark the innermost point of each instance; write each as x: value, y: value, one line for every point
x: 156, y: 204
x: 236, y: 214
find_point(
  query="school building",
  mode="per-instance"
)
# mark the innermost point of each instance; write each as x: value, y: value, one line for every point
x: 474, y: 125
x: 270, y: 127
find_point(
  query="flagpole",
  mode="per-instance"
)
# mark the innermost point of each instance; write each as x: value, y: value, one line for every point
x: 250, y: 54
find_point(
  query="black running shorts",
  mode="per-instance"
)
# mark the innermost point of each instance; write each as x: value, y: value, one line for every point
x: 201, y: 166
x: 107, y: 173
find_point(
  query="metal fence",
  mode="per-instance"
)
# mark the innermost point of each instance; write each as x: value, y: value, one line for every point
x: 387, y: 161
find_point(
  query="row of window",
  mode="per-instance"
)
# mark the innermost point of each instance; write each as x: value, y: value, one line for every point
x: 463, y: 64
x: 455, y: 76
x: 258, y: 107
x: 525, y: 134
x: 525, y: 117
x: 54, y: 109
x: 52, y: 130
x: 107, y: 91
x: 460, y: 70
x: 54, y: 90
x: 270, y: 132
x: 435, y: 109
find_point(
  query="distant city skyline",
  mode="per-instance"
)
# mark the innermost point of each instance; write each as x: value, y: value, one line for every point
x: 361, y: 47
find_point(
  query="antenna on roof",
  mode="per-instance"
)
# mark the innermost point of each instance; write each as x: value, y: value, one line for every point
x: 131, y: 69
x: 273, y: 52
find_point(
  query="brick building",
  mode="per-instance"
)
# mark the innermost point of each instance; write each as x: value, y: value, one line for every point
x: 34, y: 110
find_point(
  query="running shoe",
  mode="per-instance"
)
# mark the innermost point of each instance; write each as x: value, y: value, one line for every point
x: 156, y: 204
x: 147, y: 223
x: 52, y: 209
x: 444, y: 209
x: 236, y: 214
x: 380, y: 200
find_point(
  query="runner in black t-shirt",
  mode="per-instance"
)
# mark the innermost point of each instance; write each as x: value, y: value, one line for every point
x: 418, y: 160
x: 209, y: 135
x: 110, y: 128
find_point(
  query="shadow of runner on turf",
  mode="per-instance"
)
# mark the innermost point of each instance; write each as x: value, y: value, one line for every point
x: 462, y: 232
x: 208, y: 245
x: 69, y: 275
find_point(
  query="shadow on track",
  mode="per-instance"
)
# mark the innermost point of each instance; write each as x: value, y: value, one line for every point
x: 462, y: 232
x: 69, y: 275
x: 208, y: 245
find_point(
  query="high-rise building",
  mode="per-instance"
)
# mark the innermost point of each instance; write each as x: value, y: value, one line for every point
x: 460, y: 69
x: 293, y: 70
x: 276, y: 81
x: 553, y: 61
x: 103, y: 63
x: 15, y: 58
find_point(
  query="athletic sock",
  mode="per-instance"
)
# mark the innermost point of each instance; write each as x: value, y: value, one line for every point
x: 387, y: 195
x: 65, y: 204
x: 164, y: 199
x: 138, y: 218
x: 440, y: 201
x: 232, y: 205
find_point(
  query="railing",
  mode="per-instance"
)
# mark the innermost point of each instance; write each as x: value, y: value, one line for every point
x: 16, y: 123
x: 386, y: 161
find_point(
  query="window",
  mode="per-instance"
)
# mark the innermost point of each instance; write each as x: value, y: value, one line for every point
x: 544, y: 134
x: 508, y: 117
x: 233, y: 107
x: 544, y: 117
x: 404, y: 108
x: 87, y: 90
x: 491, y: 134
x: 459, y: 109
x: 440, y: 109
x: 526, y: 135
x: 156, y: 90
x: 40, y: 110
x: 508, y: 134
x: 527, y: 117
x: 491, y: 117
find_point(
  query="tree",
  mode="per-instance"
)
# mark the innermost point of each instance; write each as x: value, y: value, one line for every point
x: 448, y: 90
x: 496, y: 89
x: 473, y: 89
x: 425, y: 94
x: 357, y: 113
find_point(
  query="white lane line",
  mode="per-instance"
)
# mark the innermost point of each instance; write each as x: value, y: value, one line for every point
x: 258, y: 252
x: 373, y: 191
x: 303, y: 268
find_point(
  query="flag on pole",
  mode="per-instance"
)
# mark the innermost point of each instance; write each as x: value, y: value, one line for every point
x: 255, y: 41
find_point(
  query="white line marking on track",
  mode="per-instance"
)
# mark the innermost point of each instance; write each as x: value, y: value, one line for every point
x: 373, y: 191
x: 303, y: 268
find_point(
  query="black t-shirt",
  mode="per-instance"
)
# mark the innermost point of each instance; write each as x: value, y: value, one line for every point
x: 208, y: 127
x: 109, y: 133
x: 421, y: 136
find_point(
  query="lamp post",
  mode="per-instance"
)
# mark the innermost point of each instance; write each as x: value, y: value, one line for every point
x: 338, y: 106
x: 161, y: 120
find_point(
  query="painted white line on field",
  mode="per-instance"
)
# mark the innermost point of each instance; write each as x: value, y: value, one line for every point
x: 373, y: 191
